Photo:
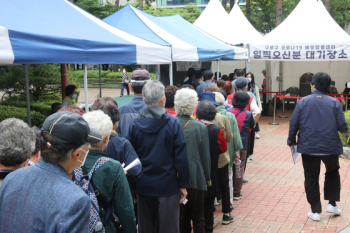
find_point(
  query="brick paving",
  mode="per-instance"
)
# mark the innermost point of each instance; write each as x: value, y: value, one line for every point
x: 274, y: 198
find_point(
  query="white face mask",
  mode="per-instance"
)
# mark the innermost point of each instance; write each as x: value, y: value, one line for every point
x: 83, y: 162
x: 249, y: 79
x: 74, y: 96
x: 124, y: 71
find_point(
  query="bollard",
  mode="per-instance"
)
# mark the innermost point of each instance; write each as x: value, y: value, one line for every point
x: 274, y: 113
x: 283, y: 116
x: 346, y: 103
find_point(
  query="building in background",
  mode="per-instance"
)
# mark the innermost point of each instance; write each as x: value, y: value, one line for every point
x: 182, y: 3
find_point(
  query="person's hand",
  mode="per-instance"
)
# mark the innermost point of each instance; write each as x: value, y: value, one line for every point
x: 183, y: 194
x: 291, y: 144
x: 125, y: 171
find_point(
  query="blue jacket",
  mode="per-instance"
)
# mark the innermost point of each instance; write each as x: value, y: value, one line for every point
x: 201, y: 87
x: 318, y: 118
x: 128, y: 112
x: 121, y: 150
x: 43, y: 198
x: 160, y: 143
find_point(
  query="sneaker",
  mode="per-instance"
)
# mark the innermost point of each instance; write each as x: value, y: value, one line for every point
x: 250, y: 157
x: 237, y: 196
x: 257, y: 136
x: 245, y: 181
x: 314, y: 216
x: 333, y: 209
x: 121, y: 96
x: 217, y: 202
x: 248, y: 160
x: 227, y: 219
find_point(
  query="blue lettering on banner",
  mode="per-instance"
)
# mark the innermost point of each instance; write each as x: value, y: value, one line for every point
x: 331, y: 54
x: 332, y: 46
x: 307, y: 47
x: 342, y: 54
x: 300, y: 47
x: 296, y: 55
x: 317, y: 47
x: 288, y: 47
x: 271, y: 47
x: 310, y: 54
x: 257, y: 54
x: 286, y: 55
x: 312, y: 47
x: 321, y: 54
x: 283, y: 47
x: 267, y: 47
x: 276, y: 55
x: 328, y: 46
x: 267, y: 54
x: 322, y: 46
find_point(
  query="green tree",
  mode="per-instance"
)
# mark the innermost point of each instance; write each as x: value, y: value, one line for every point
x: 340, y: 11
x: 95, y: 8
x: 43, y: 80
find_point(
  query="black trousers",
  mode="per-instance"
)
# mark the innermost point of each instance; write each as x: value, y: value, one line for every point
x: 311, y: 164
x: 193, y: 210
x: 251, y: 142
x: 224, y: 188
x: 265, y: 106
x: 209, y: 213
x: 158, y: 214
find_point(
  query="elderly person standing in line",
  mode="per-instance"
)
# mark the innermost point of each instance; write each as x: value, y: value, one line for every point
x: 218, y: 145
x: 169, y: 100
x: 46, y: 199
x: 130, y: 110
x: 17, y: 142
x: 159, y: 140
x: 224, y: 158
x: 197, y: 139
x: 236, y: 144
x: 109, y: 179
x: 316, y: 120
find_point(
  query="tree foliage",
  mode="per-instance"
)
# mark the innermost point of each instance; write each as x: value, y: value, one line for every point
x: 95, y: 8
x: 43, y: 80
x: 340, y: 11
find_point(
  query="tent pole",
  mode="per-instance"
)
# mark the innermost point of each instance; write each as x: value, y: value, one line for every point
x: 171, y: 73
x: 86, y: 89
x: 27, y: 93
x: 99, y: 74
x: 217, y: 70
x: 158, y: 69
x: 247, y: 62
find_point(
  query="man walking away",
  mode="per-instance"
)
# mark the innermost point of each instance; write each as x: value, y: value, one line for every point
x: 160, y: 142
x: 125, y: 83
x: 132, y: 109
x: 317, y: 118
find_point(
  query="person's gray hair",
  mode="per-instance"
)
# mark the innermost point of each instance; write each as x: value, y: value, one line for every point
x: 152, y: 92
x: 186, y: 101
x: 219, y: 98
x: 17, y: 142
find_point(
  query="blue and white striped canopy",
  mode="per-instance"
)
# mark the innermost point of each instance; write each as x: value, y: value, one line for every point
x: 188, y: 42
x: 57, y: 31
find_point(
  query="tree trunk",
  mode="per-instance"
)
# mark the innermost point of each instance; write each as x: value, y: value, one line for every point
x: 116, y: 7
x: 278, y: 12
x: 326, y: 4
x: 224, y: 3
x: 141, y: 5
x: 248, y: 9
x: 232, y: 3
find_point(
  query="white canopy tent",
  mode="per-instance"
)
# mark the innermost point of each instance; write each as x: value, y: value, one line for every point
x: 308, y: 34
x: 240, y: 31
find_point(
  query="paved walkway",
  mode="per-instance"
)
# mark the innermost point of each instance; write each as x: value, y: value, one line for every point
x: 274, y: 198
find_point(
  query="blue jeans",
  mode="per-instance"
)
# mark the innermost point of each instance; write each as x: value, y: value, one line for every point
x: 126, y: 85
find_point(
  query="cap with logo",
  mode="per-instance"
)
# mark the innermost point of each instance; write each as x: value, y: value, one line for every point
x: 140, y: 76
x: 70, y: 130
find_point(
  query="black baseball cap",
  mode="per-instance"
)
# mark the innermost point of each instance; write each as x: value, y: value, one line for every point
x: 70, y: 130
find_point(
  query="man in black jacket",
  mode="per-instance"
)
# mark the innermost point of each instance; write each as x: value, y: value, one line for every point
x: 317, y: 118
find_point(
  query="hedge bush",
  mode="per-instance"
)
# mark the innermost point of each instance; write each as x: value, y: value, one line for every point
x: 21, y: 113
x: 345, y: 137
x: 42, y: 105
x: 106, y: 76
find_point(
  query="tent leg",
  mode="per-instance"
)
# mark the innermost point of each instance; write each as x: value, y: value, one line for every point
x: 171, y: 73
x: 247, y: 63
x: 217, y: 70
x: 158, y: 70
x: 99, y: 74
x: 86, y: 90
x: 27, y: 93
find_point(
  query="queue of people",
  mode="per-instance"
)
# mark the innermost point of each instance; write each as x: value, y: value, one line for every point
x: 192, y: 144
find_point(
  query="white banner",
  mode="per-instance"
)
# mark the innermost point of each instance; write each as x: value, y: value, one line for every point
x: 184, y: 65
x: 309, y: 52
